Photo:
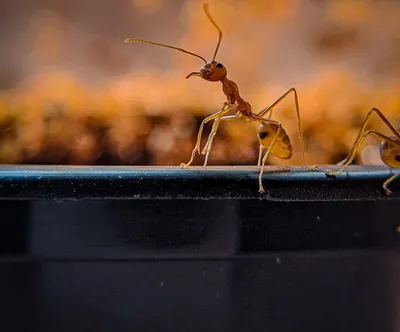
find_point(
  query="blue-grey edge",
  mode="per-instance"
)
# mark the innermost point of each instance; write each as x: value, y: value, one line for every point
x: 284, y: 183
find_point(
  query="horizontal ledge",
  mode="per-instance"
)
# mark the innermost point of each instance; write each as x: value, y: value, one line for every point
x: 271, y: 173
x: 274, y: 256
x: 216, y: 182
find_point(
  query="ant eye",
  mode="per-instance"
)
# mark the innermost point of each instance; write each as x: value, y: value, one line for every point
x: 219, y: 65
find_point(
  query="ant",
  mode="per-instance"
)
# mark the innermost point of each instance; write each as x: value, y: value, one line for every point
x: 271, y: 134
x: 389, y: 148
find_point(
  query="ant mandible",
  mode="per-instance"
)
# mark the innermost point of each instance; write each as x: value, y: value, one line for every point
x: 389, y: 149
x: 271, y: 134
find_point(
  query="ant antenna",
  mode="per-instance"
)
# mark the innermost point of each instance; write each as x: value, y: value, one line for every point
x: 130, y: 40
x: 205, y: 6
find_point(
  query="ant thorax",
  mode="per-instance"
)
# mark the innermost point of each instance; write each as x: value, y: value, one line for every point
x: 231, y: 91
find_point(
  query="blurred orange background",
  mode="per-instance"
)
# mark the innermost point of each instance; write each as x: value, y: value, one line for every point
x: 72, y: 92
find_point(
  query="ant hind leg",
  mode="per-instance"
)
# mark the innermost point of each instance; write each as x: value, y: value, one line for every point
x: 296, y: 101
x: 260, y: 184
x: 260, y: 155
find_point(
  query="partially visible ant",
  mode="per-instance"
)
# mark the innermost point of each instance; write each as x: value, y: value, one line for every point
x: 389, y: 149
x: 271, y: 134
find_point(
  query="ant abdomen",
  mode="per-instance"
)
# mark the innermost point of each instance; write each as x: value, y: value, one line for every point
x: 390, y: 153
x: 282, y: 147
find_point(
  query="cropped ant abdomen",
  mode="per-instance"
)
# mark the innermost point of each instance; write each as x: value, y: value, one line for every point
x: 390, y: 152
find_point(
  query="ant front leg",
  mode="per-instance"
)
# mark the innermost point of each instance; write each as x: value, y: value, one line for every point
x: 207, y: 147
x: 214, y: 116
x: 215, y: 126
x: 296, y: 101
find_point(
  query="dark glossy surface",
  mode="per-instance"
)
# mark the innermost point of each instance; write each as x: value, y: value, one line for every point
x: 304, y: 263
x: 111, y: 228
x: 339, y: 291
x: 123, y: 182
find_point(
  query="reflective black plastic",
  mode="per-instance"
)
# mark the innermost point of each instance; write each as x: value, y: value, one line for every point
x: 146, y: 249
x: 123, y: 182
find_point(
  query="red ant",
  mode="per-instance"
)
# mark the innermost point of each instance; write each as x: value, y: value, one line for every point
x: 389, y: 148
x: 271, y: 134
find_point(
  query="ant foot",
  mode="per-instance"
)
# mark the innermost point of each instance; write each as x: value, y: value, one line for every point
x: 331, y: 173
x: 387, y: 191
x: 314, y: 168
x: 183, y: 165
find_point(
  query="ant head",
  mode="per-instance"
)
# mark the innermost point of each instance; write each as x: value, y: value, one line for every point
x: 213, y: 71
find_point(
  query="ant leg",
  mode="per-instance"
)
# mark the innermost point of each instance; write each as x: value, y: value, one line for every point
x: 197, y: 146
x: 260, y: 185
x: 296, y: 101
x: 382, y: 117
x: 224, y: 118
x: 386, y: 183
x: 260, y: 155
x: 357, y: 146
x: 213, y: 132
x: 214, y: 129
x: 207, y: 147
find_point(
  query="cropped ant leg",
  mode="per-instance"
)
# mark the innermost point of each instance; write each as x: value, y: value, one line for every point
x: 356, y: 147
x: 382, y: 117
